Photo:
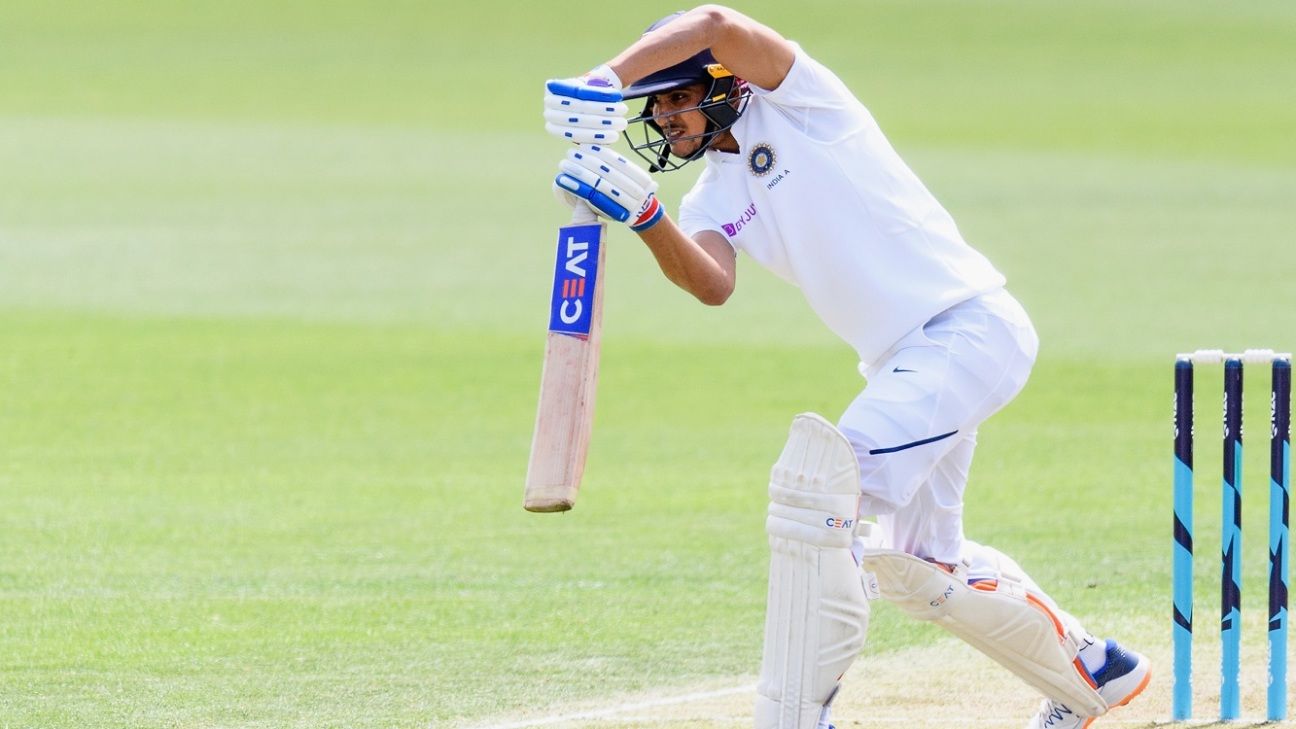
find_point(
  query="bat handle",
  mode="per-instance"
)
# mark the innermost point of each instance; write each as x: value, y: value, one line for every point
x: 582, y: 215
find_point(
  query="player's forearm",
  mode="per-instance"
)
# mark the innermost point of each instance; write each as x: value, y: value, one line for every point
x: 749, y: 49
x: 687, y: 264
x: 695, y: 30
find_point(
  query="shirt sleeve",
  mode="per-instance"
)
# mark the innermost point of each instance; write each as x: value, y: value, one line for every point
x: 808, y: 84
x: 816, y: 101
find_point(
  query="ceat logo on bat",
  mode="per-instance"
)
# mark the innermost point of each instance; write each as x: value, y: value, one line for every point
x: 575, y: 272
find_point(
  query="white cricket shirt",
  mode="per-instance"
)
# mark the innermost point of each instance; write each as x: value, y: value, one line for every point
x: 818, y: 196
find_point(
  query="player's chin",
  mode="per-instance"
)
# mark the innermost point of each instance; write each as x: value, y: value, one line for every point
x: 685, y: 148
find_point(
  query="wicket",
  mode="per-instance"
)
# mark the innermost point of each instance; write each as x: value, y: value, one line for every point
x: 1231, y: 533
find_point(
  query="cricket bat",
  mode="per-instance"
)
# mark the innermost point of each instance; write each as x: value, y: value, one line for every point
x: 565, y: 414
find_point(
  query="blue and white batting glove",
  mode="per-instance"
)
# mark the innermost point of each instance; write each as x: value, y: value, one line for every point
x: 586, y: 109
x: 610, y: 185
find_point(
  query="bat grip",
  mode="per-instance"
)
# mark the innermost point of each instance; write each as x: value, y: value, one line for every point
x: 583, y: 215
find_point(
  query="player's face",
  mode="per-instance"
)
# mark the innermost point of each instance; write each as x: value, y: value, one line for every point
x: 683, y: 125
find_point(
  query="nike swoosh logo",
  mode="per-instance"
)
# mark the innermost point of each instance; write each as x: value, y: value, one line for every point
x: 898, y: 369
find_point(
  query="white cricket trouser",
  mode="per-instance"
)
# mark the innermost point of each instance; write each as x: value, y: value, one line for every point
x: 914, y: 426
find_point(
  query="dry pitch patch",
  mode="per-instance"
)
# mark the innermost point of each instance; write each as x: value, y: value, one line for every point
x: 946, y: 684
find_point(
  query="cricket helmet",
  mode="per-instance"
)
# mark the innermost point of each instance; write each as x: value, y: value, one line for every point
x: 723, y: 102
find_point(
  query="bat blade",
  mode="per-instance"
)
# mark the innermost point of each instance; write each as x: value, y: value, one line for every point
x: 565, y: 413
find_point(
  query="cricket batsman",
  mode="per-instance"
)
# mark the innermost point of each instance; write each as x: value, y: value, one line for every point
x: 799, y: 177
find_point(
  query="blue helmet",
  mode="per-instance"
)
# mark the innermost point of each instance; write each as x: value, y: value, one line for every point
x: 724, y: 101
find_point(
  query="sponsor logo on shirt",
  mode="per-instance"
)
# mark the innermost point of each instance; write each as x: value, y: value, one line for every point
x: 731, y: 229
x: 761, y: 159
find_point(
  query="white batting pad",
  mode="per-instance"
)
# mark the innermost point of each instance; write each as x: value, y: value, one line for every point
x: 817, y: 616
x: 999, y: 617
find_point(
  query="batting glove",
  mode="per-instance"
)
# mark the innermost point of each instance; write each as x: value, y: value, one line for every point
x: 610, y: 184
x: 586, y: 109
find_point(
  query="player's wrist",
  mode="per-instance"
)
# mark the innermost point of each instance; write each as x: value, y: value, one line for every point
x: 652, y: 214
x: 604, y: 71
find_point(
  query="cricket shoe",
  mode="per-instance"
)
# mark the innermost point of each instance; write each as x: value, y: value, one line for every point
x: 1122, y: 677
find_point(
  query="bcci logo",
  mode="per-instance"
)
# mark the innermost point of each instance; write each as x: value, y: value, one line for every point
x: 761, y: 159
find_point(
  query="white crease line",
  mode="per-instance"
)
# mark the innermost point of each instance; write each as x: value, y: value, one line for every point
x: 612, y: 711
x: 612, y: 714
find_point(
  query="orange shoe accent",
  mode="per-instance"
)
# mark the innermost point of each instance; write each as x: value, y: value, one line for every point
x: 1147, y: 678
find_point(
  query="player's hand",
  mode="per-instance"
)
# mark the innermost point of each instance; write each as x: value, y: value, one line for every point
x: 610, y: 184
x: 586, y: 109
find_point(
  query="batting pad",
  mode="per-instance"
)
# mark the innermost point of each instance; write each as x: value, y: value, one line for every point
x: 816, y: 615
x: 998, y: 617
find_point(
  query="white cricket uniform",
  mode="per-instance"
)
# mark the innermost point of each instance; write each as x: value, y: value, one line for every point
x: 818, y: 196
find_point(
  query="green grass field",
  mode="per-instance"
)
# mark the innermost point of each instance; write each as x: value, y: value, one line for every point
x: 273, y: 280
